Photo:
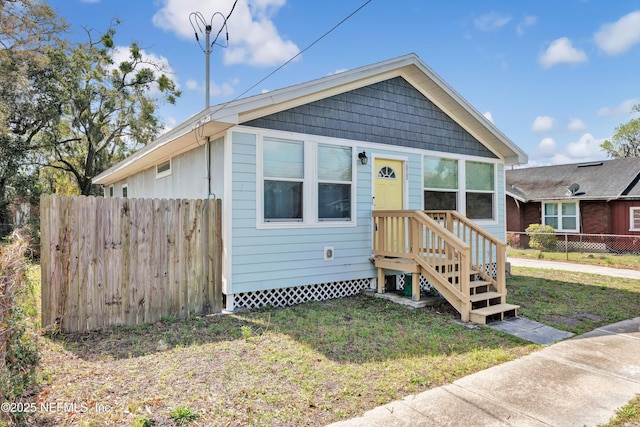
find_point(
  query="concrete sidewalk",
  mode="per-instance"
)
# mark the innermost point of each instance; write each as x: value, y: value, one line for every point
x: 577, y: 382
x: 568, y: 266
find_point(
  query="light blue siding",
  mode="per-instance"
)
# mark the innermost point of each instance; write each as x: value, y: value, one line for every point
x: 264, y: 258
x: 498, y: 229
x: 278, y: 258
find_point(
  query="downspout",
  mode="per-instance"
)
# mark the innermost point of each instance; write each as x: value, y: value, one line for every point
x: 208, y: 159
x: 207, y: 148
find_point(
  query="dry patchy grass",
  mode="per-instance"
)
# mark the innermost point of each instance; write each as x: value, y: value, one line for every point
x: 308, y: 365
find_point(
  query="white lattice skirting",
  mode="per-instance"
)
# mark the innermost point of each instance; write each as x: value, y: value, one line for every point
x: 296, y: 295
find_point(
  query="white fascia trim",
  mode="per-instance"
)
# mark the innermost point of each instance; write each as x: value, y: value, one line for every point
x: 513, y: 196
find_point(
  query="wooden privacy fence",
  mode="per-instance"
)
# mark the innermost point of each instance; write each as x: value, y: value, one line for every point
x: 116, y: 261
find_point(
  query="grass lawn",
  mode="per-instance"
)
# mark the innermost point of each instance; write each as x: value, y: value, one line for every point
x: 606, y: 260
x: 306, y: 365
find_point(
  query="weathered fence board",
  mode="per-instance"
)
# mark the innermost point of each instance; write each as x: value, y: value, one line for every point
x: 112, y: 261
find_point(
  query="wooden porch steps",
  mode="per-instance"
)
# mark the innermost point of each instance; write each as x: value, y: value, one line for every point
x: 463, y: 262
x: 486, y: 304
x: 484, y: 296
x: 493, y: 313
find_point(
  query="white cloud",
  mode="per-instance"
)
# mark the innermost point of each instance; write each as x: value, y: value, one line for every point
x: 561, y: 159
x: 253, y: 37
x: 169, y: 123
x: 488, y: 116
x: 338, y: 71
x: 528, y: 21
x: 618, y: 37
x: 543, y: 124
x: 491, y: 21
x: 576, y: 126
x: 215, y: 90
x: 586, y: 147
x: 561, y: 51
x: 547, y: 147
x: 622, y: 109
x: 225, y: 89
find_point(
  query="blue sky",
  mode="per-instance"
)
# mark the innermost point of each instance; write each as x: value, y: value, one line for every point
x: 556, y: 76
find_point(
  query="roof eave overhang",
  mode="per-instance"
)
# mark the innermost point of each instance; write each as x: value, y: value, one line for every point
x: 190, y: 134
x: 518, y: 198
x: 454, y: 105
x: 218, y: 118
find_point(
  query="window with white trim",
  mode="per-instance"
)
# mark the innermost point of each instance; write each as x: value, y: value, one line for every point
x: 306, y: 182
x: 163, y: 169
x: 480, y: 190
x: 334, y: 182
x: 125, y: 190
x: 283, y: 171
x: 634, y: 218
x: 562, y: 216
x: 111, y: 191
x: 440, y: 183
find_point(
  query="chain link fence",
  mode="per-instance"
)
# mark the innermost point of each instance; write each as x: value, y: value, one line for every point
x: 578, y: 242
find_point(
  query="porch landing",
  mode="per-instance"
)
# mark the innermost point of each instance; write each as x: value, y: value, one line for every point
x: 400, y: 298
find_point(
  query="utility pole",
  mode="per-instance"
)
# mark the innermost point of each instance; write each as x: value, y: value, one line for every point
x: 200, y: 25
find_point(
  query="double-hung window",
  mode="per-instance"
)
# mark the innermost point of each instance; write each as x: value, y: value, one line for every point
x: 283, y: 170
x: 480, y: 189
x: 562, y: 216
x: 306, y: 182
x: 440, y: 183
x: 334, y: 182
x: 634, y: 219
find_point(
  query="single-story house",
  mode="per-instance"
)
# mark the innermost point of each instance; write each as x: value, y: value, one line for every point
x: 301, y: 169
x: 600, y: 197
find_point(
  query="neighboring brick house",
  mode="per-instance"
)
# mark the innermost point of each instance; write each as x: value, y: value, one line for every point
x: 606, y: 199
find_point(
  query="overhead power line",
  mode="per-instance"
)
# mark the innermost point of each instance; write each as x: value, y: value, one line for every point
x: 296, y: 55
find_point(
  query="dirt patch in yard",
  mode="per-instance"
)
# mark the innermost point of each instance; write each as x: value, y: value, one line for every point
x: 573, y: 320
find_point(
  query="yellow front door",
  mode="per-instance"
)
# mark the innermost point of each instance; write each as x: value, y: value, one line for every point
x: 388, y: 192
x: 388, y: 185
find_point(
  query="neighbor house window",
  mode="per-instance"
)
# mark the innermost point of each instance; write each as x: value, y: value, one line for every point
x: 634, y: 219
x: 283, y: 171
x: 562, y: 216
x: 440, y: 183
x: 480, y: 189
x: 163, y: 169
x: 334, y: 182
x: 111, y: 191
x: 125, y: 190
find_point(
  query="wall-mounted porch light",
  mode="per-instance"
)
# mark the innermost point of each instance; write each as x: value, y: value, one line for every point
x: 363, y: 157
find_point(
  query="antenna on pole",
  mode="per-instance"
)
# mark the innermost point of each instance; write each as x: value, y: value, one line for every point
x: 201, y: 26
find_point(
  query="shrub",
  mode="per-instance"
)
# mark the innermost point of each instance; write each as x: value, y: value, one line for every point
x: 18, y: 346
x: 542, y: 237
x: 513, y: 240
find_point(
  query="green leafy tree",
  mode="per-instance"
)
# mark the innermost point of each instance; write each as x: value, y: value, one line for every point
x: 28, y: 28
x: 625, y: 142
x: 108, y: 108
